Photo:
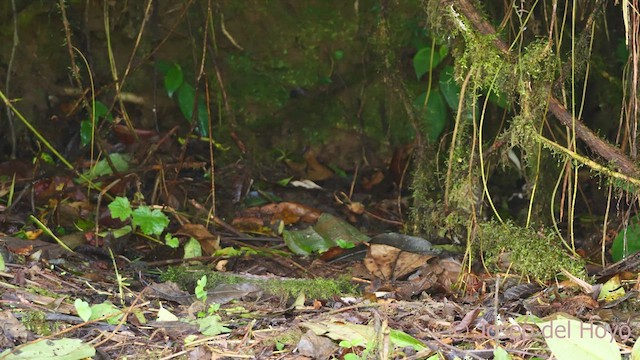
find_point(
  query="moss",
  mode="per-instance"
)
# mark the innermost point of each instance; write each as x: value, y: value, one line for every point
x: 318, y: 288
x: 36, y: 322
x: 525, y: 251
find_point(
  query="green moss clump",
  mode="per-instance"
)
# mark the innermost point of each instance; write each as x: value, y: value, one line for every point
x: 319, y: 288
x: 529, y: 253
x: 36, y: 322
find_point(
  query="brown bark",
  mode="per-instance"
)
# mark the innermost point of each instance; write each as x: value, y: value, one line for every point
x: 609, y: 152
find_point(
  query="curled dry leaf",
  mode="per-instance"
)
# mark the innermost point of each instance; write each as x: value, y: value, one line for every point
x: 209, y: 242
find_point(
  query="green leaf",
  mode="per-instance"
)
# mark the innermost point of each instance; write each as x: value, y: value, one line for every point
x: 101, y: 110
x: 120, y: 208
x: 173, y: 79
x: 171, y: 241
x: 192, y: 249
x: 570, y: 339
x: 200, y: 291
x: 285, y: 181
x: 434, y: 114
x: 211, y: 326
x: 203, y: 118
x: 102, y: 168
x: 422, y: 62
x: 306, y: 241
x: 338, y: 54
x: 46, y: 157
x: 632, y: 235
x: 401, y: 339
x: 344, y: 244
x: 449, y: 87
x: 83, y: 309
x: 86, y: 129
x: 150, y: 222
x: 186, y: 96
x: 60, y: 349
x: 106, y: 309
x: 120, y: 232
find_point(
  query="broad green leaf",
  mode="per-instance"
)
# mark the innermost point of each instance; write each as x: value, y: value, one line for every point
x: 60, y: 349
x: 449, y: 87
x: 334, y: 229
x: 173, y: 79
x: 192, y: 249
x: 102, y: 168
x: 434, y: 113
x: 443, y: 51
x: 338, y: 54
x: 570, y: 339
x: 203, y: 118
x: 329, y: 231
x: 120, y: 208
x: 401, y: 339
x: 150, y: 222
x: 211, y: 326
x: 101, y: 110
x: 86, y: 128
x: 422, y: 62
x: 83, y: 309
x: 305, y: 242
x: 106, y: 309
x: 186, y: 96
x: 632, y: 235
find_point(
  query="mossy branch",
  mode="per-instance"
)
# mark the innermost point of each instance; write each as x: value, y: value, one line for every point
x: 607, y: 151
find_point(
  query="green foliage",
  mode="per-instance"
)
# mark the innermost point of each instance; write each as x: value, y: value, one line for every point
x: 100, y: 111
x: 171, y: 241
x: 105, y: 310
x: 173, y: 79
x: 631, y: 234
x: 83, y: 309
x: 120, y: 208
x: 529, y: 253
x: 150, y: 222
x: 103, y: 168
x: 449, y: 87
x: 318, y: 288
x: 350, y: 344
x: 192, y: 248
x: 200, y: 291
x: 434, y: 113
x: 211, y: 326
x: 425, y: 60
x: 174, y: 82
